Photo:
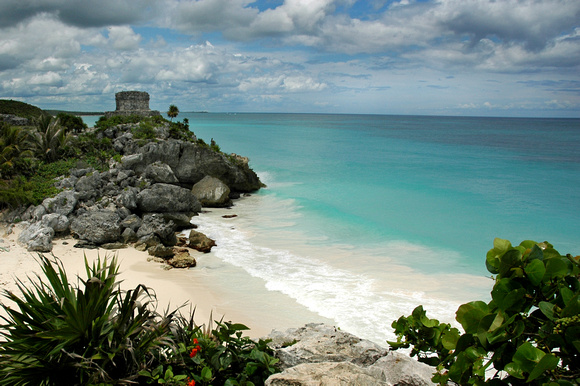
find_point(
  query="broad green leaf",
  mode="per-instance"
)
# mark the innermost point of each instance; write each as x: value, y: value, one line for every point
x: 556, y: 267
x: 515, y: 370
x: 508, y: 293
x: 450, y: 338
x: 429, y: 322
x: 547, y: 309
x: 573, y: 307
x: 535, y: 270
x: 509, y: 260
x: 528, y: 244
x: 536, y: 254
x: 567, y: 295
x: 206, y: 374
x: 470, y: 314
x: 527, y: 356
x: 547, y: 363
x: 501, y: 244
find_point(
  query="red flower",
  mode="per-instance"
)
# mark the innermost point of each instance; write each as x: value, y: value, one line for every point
x: 195, y: 341
x: 190, y: 382
x: 193, y: 352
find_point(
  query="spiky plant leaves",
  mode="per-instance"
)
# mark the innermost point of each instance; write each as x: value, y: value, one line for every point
x: 91, y: 332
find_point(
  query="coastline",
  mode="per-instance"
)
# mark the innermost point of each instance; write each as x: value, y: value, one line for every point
x: 173, y: 288
x: 187, y: 288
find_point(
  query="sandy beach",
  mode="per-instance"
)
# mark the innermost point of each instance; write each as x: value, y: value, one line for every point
x: 173, y: 288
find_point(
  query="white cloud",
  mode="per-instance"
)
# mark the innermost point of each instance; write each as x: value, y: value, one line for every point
x: 124, y: 38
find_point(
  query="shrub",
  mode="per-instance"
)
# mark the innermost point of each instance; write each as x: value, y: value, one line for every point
x: 528, y: 333
x: 72, y: 122
x: 60, y: 334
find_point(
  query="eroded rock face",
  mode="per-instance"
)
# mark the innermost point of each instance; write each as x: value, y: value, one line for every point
x: 211, y: 192
x: 160, y: 172
x: 167, y: 198
x: 98, y: 226
x: 319, y: 354
x: 323, y: 343
x: 63, y: 203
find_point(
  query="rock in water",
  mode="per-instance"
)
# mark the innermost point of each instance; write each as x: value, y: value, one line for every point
x: 200, y: 242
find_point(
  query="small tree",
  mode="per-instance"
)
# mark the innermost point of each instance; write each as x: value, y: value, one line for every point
x: 528, y: 333
x: 173, y: 112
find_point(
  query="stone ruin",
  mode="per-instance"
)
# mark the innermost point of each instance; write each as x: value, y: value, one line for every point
x: 132, y: 103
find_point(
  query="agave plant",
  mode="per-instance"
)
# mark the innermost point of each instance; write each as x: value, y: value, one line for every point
x: 88, y: 333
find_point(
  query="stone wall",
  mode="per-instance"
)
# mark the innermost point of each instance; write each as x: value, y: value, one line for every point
x: 132, y: 103
x: 132, y: 100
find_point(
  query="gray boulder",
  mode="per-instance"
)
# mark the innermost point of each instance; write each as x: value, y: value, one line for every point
x: 98, y: 226
x: 132, y: 222
x: 128, y: 198
x: 211, y: 192
x: 58, y: 222
x: 37, y: 238
x: 155, y: 224
x: 323, y: 343
x: 319, y: 354
x: 326, y: 374
x: 167, y: 198
x: 63, y: 203
x: 160, y: 172
x: 89, y: 186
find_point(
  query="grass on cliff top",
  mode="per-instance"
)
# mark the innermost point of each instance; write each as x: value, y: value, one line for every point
x: 20, y: 109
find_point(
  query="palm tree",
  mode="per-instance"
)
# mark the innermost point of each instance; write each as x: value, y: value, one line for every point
x: 15, y: 154
x: 49, y: 138
x: 173, y: 112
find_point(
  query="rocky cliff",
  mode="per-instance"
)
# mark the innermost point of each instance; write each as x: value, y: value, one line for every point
x: 143, y: 199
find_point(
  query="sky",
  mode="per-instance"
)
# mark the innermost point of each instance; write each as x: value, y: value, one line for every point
x: 424, y: 57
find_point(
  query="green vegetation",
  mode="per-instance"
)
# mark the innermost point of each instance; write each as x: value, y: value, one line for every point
x: 20, y: 109
x: 172, y: 112
x: 72, y: 123
x: 529, y: 333
x: 94, y: 333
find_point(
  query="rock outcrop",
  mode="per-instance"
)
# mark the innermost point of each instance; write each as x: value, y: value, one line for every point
x: 144, y: 199
x: 321, y: 355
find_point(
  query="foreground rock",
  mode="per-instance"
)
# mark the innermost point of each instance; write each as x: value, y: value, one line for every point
x: 318, y: 354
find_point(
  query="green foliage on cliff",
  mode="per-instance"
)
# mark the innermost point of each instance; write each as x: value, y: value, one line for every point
x: 20, y: 109
x: 528, y: 333
x: 93, y: 332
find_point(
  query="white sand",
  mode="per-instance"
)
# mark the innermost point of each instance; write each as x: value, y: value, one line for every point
x: 173, y: 287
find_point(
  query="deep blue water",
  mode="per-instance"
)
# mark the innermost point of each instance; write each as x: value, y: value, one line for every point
x: 367, y: 216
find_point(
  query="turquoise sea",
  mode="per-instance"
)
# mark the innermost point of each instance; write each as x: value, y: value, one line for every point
x: 366, y: 216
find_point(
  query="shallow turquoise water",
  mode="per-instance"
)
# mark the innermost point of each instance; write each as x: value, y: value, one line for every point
x: 365, y: 217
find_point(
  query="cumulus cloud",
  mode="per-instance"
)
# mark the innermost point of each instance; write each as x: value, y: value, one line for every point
x: 80, y: 13
x: 124, y: 38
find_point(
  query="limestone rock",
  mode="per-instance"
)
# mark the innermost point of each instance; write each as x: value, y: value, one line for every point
x: 132, y: 222
x: 400, y: 369
x: 58, y: 222
x: 325, y: 374
x: 160, y: 251
x: 200, y: 242
x: 323, y: 343
x: 167, y: 198
x: 182, y: 260
x: 128, y: 236
x: 211, y: 192
x: 98, y: 226
x: 155, y: 224
x: 63, y: 203
x: 160, y: 172
x: 37, y: 238
x: 89, y: 185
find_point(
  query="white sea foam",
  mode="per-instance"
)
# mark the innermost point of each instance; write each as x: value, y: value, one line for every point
x: 325, y: 279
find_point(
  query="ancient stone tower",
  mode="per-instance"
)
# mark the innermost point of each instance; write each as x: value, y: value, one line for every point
x: 132, y: 103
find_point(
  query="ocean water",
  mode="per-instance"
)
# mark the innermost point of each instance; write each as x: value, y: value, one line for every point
x: 365, y: 217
